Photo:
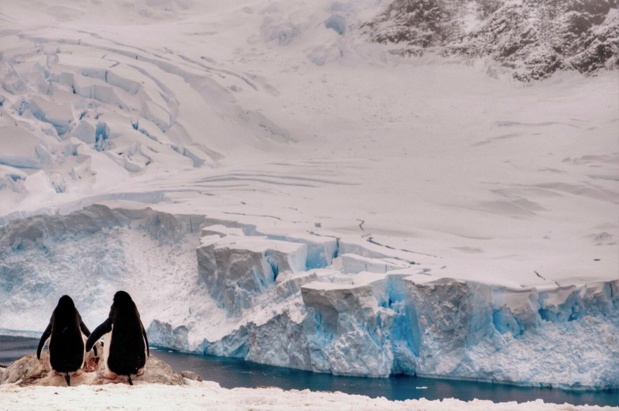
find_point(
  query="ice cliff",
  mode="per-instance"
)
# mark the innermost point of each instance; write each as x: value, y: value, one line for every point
x: 377, y: 324
x: 337, y: 305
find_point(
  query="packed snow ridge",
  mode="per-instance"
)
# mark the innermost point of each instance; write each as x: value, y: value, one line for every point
x: 306, y: 301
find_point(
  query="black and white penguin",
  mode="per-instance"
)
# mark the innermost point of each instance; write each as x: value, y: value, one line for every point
x: 66, y: 333
x: 126, y: 344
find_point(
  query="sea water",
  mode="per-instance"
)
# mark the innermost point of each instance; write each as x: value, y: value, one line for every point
x: 230, y: 373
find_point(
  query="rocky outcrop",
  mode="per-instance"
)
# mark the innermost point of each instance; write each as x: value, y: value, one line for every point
x: 533, y: 39
x: 28, y: 370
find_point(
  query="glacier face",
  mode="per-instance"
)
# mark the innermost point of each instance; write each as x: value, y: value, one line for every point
x: 367, y: 316
x: 305, y: 300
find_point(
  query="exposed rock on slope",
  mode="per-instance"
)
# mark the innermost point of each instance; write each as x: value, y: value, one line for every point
x: 533, y: 39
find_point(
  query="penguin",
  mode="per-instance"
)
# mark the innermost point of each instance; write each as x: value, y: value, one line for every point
x: 126, y: 344
x: 66, y: 333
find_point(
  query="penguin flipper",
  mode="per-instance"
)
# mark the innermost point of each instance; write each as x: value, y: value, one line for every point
x: 44, y: 338
x: 101, y: 330
x: 145, y: 340
x: 84, y: 329
x: 86, y: 332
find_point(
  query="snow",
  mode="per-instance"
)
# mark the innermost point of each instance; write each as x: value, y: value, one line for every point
x: 209, y: 395
x: 304, y: 198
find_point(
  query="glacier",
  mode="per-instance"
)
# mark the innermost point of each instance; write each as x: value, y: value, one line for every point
x: 306, y: 300
x: 270, y: 185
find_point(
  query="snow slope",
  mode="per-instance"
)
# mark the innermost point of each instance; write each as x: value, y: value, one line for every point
x: 253, y: 170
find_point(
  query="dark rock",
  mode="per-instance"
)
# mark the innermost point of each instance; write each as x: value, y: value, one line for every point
x: 26, y: 370
x: 190, y: 375
x: 532, y: 38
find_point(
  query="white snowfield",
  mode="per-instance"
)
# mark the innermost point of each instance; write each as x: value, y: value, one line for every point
x: 271, y: 187
x: 209, y: 395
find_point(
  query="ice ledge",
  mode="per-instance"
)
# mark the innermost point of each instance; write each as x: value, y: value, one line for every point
x: 373, y: 314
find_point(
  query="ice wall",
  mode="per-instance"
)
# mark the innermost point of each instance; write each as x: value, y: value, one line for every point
x: 445, y: 328
x: 305, y: 301
x: 235, y: 271
x: 479, y: 331
x: 90, y: 254
x: 368, y: 314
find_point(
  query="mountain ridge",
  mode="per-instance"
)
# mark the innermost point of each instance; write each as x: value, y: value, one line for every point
x: 533, y: 40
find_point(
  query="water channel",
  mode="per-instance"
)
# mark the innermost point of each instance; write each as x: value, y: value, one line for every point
x: 230, y: 373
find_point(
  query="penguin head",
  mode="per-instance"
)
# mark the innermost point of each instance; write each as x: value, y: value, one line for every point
x: 66, y: 301
x: 122, y: 303
x: 65, y: 308
x: 122, y: 298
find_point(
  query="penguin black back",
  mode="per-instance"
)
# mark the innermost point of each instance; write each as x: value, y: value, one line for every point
x: 128, y: 347
x: 66, y: 344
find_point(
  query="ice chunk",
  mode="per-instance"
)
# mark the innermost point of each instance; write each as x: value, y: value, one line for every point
x: 96, y: 89
x: 237, y: 269
x: 19, y: 148
x: 290, y: 350
x: 85, y: 132
x: 345, y: 323
x: 337, y: 23
x: 163, y: 335
x: 11, y: 177
x: 57, y: 114
x: 320, y: 250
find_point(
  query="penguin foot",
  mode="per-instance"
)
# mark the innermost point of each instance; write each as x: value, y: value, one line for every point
x: 140, y: 372
x: 108, y: 375
x: 73, y: 374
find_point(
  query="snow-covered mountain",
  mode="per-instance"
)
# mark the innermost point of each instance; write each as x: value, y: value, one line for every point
x: 533, y: 39
x: 269, y: 184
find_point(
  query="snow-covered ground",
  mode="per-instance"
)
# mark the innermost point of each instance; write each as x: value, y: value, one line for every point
x: 209, y: 395
x: 313, y: 201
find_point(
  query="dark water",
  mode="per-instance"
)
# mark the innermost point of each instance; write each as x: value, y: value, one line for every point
x: 230, y: 373
x: 13, y: 348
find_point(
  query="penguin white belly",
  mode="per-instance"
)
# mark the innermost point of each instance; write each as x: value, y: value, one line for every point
x: 84, y: 339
